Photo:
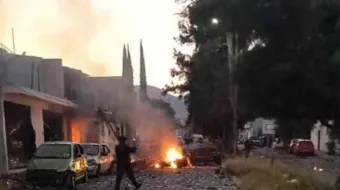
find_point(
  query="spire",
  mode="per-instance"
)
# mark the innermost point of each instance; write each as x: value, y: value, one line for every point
x: 130, y: 69
x: 143, y: 95
x: 124, y: 66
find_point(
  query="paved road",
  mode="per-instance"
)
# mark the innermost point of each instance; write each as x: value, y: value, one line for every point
x: 192, y: 178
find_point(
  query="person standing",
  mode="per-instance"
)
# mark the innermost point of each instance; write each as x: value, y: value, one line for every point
x: 123, y: 152
x: 247, y: 148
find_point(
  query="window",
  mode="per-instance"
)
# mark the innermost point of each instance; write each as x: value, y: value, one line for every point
x: 80, y: 148
x: 91, y: 149
x: 46, y: 151
x: 106, y: 149
x: 102, y: 150
x: 76, y: 151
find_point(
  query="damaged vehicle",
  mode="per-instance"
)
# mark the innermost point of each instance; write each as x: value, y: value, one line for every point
x: 58, y: 164
x: 201, y: 151
x: 99, y: 158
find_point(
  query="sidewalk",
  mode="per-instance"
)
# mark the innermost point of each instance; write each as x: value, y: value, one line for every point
x: 321, y: 165
x: 324, y: 155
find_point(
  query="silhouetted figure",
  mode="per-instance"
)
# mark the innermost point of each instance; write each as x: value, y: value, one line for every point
x: 247, y: 148
x: 123, y: 152
x: 28, y: 138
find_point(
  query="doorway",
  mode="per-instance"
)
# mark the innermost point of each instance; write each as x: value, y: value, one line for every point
x: 53, y: 126
x: 20, y: 134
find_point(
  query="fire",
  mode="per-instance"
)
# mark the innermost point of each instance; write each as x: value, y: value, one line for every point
x: 172, y: 155
x: 173, y: 165
x: 157, y: 165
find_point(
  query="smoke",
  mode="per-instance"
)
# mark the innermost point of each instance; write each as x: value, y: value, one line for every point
x: 153, y: 127
x: 70, y: 29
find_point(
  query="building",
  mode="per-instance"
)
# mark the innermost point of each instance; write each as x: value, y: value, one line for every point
x: 29, y: 119
x: 50, y: 102
x: 258, y: 127
x: 59, y: 103
x: 33, y: 107
x: 320, y: 136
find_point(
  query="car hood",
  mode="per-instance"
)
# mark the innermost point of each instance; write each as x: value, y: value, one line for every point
x: 49, y: 164
x: 90, y: 157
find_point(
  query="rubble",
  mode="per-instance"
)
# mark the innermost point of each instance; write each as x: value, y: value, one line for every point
x: 199, y: 178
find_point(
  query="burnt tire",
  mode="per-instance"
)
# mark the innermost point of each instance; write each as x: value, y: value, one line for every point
x: 70, y: 182
x: 85, y: 179
x: 98, y: 171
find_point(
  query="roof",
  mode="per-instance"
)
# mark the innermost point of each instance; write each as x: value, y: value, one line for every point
x: 90, y: 144
x: 58, y: 142
x: 39, y: 95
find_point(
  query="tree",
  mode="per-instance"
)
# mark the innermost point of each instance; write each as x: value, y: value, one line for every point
x: 288, y: 69
x: 205, y: 73
x: 293, y: 77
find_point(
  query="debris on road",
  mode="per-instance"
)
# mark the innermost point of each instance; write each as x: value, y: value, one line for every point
x: 199, y: 178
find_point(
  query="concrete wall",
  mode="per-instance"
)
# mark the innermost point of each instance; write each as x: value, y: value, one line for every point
x: 52, y: 77
x: 107, y: 137
x: 320, y: 144
x: 79, y: 89
x: 44, y: 75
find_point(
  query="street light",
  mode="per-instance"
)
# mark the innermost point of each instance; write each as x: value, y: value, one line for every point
x: 215, y: 21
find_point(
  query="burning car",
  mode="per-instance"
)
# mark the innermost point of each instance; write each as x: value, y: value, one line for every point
x: 174, y: 158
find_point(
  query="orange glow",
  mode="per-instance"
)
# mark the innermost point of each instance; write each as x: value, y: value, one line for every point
x: 172, y: 155
x: 75, y: 133
x: 79, y: 130
x: 173, y: 165
x: 157, y: 165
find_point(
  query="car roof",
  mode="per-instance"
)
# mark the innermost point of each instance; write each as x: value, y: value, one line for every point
x: 90, y: 144
x: 59, y: 142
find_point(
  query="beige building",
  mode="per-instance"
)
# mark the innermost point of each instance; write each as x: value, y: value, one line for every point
x: 57, y: 102
x: 23, y: 108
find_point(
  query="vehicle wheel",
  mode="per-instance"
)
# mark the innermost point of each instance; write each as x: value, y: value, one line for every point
x: 98, y: 171
x: 111, y: 169
x: 85, y: 178
x: 70, y: 182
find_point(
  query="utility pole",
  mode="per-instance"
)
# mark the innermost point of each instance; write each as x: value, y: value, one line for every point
x: 13, y: 40
x: 232, y: 61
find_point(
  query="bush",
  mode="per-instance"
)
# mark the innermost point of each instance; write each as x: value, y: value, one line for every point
x: 3, y: 185
x: 259, y: 174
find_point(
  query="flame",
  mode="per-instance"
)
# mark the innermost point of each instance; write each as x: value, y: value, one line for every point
x: 157, y: 165
x: 173, y: 165
x: 172, y: 155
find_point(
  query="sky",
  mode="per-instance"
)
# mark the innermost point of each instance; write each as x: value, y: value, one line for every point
x: 89, y: 34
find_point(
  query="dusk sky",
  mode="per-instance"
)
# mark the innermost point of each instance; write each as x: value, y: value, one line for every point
x: 89, y: 35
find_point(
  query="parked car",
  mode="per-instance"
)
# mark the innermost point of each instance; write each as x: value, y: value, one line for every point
x: 292, y: 144
x: 57, y: 164
x: 304, y: 147
x: 99, y: 158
